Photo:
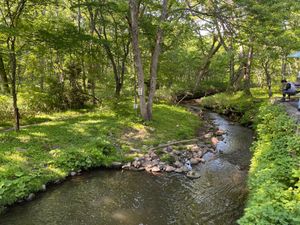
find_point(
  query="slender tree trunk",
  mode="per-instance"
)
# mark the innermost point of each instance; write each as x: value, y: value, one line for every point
x: 247, y: 71
x: 154, y: 60
x: 83, y: 75
x: 266, y: 66
x: 13, y: 62
x: 3, y: 76
x: 283, y: 67
x: 231, y: 67
x: 133, y: 4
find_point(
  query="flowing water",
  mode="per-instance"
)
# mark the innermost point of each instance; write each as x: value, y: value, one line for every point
x: 108, y: 197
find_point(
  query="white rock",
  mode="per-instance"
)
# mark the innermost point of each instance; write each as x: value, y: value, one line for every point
x: 170, y: 169
x: 73, y: 173
x: 30, y: 197
x: 126, y: 166
x: 155, y: 169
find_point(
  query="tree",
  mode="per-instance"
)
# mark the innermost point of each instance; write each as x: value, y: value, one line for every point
x: 11, y: 13
x: 146, y: 108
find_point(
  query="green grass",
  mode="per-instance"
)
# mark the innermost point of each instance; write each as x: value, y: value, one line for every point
x: 75, y: 140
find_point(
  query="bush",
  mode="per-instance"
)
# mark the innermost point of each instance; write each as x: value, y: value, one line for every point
x: 274, y: 175
x: 5, y: 108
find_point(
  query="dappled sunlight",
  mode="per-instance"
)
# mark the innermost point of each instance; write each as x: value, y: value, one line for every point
x: 15, y: 157
x: 88, y: 122
x: 24, y: 138
x: 132, y: 135
x: 55, y: 153
x: 38, y: 134
x: 3, y: 169
x: 56, y: 171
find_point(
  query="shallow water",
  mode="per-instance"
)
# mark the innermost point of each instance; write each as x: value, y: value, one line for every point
x: 107, y: 197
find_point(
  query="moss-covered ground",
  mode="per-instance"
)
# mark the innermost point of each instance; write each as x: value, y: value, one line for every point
x: 75, y: 140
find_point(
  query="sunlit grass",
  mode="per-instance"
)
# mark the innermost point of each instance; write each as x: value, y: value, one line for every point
x: 75, y: 140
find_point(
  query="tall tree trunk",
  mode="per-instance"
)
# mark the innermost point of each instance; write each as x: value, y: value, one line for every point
x: 268, y: 77
x: 13, y: 62
x: 283, y: 67
x: 154, y: 60
x: 247, y: 71
x: 231, y: 67
x: 3, y: 76
x: 133, y: 4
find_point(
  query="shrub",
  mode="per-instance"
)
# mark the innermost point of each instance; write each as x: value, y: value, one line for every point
x: 274, y: 175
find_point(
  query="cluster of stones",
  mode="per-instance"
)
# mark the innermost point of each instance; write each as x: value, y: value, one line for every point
x: 188, y: 155
x: 151, y: 162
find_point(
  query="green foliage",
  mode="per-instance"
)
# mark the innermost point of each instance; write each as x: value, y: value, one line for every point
x: 168, y: 158
x: 237, y: 105
x: 275, y: 173
x: 75, y: 140
x: 5, y: 108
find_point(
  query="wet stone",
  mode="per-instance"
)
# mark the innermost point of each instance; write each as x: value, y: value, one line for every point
x: 178, y: 170
x: 30, y: 197
x: 170, y: 169
x: 43, y: 187
x: 116, y: 165
x: 126, y: 166
x: 73, y: 173
x: 193, y: 174
x: 155, y: 169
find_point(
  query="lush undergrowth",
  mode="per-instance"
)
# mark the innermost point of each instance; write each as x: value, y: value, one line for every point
x: 274, y: 177
x: 76, y: 140
x: 237, y: 105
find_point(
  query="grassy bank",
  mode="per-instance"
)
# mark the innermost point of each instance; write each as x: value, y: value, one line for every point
x: 236, y: 105
x: 274, y: 177
x: 76, y: 140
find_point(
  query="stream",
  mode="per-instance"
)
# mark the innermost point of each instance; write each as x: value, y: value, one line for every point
x: 111, y: 197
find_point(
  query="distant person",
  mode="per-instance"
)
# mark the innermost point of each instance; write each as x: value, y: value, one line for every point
x: 288, y: 89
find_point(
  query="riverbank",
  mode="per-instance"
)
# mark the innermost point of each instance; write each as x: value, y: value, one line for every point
x: 79, y: 140
x: 123, y: 197
x: 274, y: 177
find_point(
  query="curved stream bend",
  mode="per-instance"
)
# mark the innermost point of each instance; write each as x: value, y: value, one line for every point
x: 135, y: 198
